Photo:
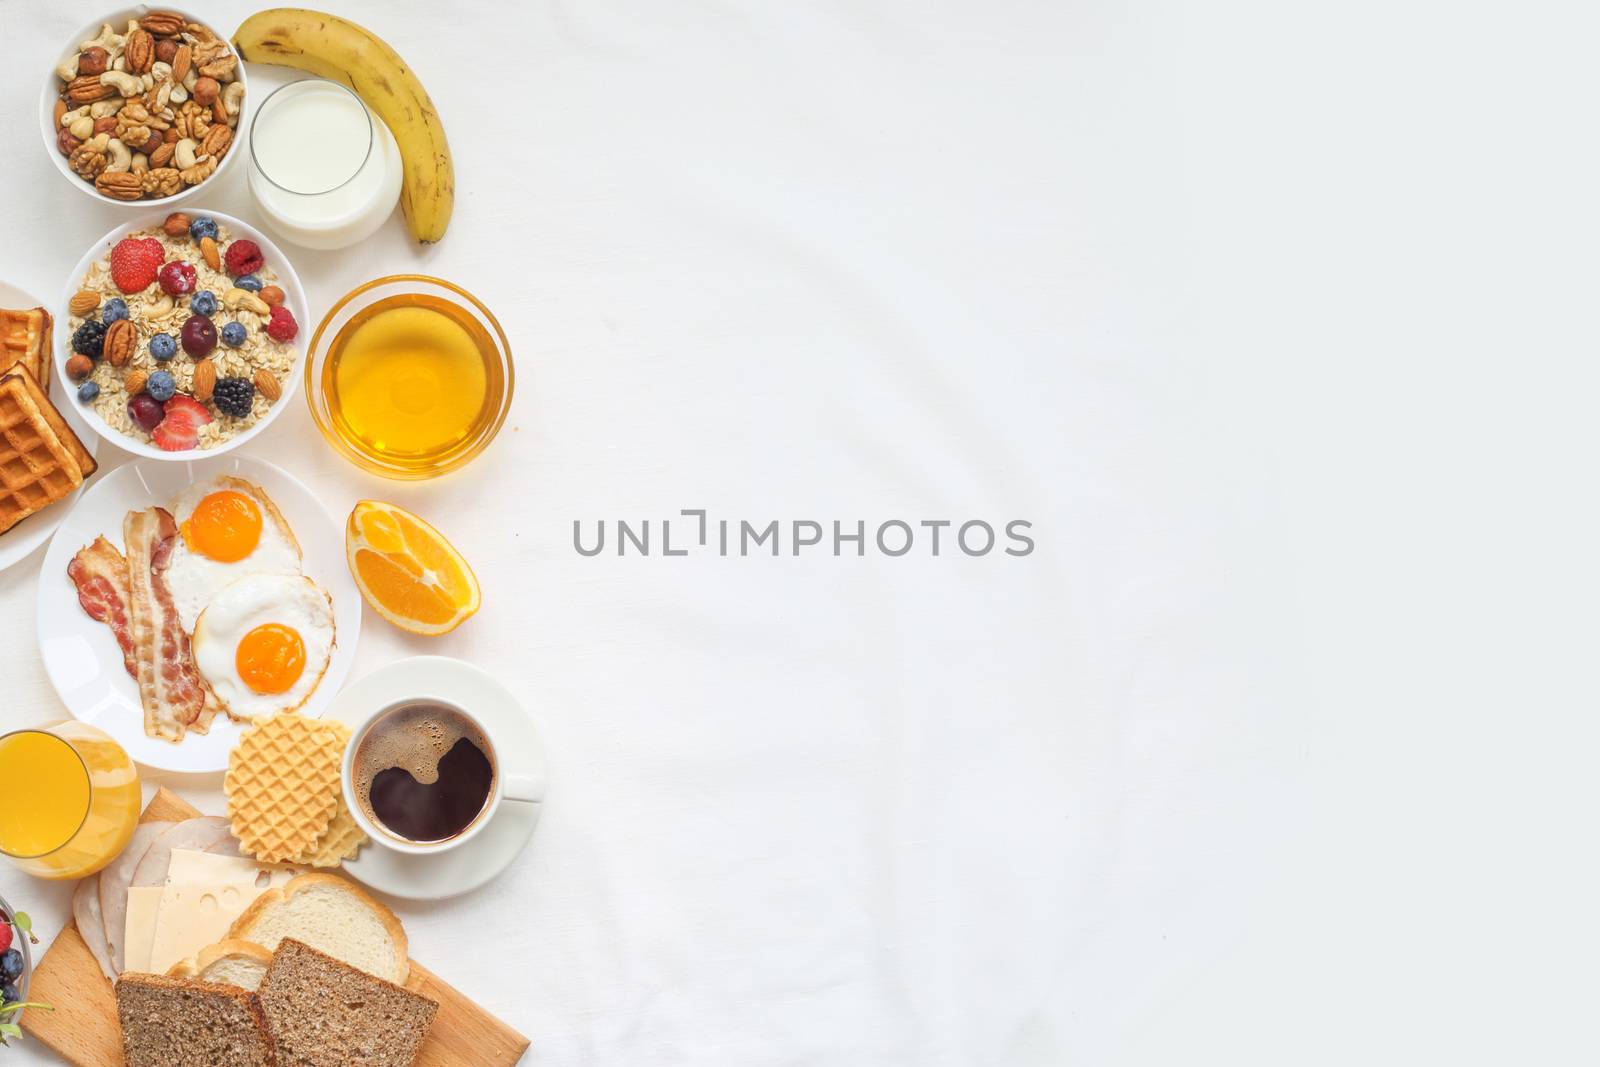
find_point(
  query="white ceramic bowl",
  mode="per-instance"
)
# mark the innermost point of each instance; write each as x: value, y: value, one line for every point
x: 52, y: 92
x: 294, y: 300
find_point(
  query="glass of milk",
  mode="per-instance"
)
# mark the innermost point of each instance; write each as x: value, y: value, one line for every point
x: 324, y: 172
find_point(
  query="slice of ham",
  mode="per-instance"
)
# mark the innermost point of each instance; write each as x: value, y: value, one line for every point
x: 100, y: 574
x: 91, y: 927
x: 194, y: 835
x: 169, y: 686
x: 114, y: 881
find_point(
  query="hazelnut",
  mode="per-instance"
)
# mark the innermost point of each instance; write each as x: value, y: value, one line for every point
x: 166, y: 48
x: 79, y: 367
x: 177, y: 225
x: 105, y: 125
x: 66, y: 142
x: 93, y: 60
x: 205, y: 91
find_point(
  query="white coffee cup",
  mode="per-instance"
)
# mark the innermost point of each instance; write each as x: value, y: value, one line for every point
x: 516, y: 788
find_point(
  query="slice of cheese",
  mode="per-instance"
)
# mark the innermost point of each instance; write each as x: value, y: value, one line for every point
x: 143, y: 905
x: 204, y: 894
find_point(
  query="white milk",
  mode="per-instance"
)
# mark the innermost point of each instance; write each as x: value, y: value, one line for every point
x: 325, y: 171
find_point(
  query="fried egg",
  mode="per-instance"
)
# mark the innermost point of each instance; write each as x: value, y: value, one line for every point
x: 263, y: 643
x: 227, y: 528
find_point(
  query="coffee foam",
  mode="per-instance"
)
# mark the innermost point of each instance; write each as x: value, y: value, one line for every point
x: 413, y: 738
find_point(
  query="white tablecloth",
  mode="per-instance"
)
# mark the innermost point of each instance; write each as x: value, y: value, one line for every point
x: 1182, y: 286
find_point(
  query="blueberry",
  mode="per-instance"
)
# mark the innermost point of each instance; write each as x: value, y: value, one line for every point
x: 203, y: 303
x: 88, y: 391
x: 9, y: 994
x: 163, y: 346
x: 233, y: 334
x: 248, y: 281
x: 203, y: 226
x: 160, y: 386
x: 11, y: 964
x: 116, y: 308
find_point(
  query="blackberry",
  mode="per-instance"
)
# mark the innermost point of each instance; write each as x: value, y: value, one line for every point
x: 233, y: 396
x: 89, y: 338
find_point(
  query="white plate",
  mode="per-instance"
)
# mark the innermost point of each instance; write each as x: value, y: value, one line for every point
x: 81, y: 656
x: 516, y: 746
x: 36, y: 529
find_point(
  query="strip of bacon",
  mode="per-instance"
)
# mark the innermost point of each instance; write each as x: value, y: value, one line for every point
x: 100, y: 574
x: 169, y: 685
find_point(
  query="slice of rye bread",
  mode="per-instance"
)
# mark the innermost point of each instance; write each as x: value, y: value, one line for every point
x: 173, y: 1022
x: 322, y: 1011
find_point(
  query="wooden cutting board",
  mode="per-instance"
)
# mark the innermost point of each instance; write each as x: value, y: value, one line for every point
x: 83, y: 1027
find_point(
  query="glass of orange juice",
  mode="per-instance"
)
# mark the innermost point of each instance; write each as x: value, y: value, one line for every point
x: 72, y: 799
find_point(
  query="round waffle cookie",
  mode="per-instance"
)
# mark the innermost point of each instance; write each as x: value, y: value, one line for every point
x: 283, y: 785
x: 341, y: 842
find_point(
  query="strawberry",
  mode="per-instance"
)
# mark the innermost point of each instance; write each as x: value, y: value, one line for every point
x: 134, y: 262
x: 242, y: 257
x: 281, y: 326
x: 179, y: 430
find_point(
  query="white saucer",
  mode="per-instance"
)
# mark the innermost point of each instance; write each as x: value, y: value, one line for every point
x: 81, y: 655
x: 33, y: 531
x: 517, y: 748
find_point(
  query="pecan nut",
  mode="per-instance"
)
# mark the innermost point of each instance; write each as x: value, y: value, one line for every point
x: 221, y: 68
x: 122, y: 336
x: 139, y: 51
x: 216, y: 141
x: 119, y: 185
x: 87, y: 88
x: 162, y: 23
x: 67, y: 143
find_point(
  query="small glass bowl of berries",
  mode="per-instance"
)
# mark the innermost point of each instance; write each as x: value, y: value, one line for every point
x: 16, y: 968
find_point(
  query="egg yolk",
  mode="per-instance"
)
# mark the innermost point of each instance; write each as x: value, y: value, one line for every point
x: 270, y: 658
x: 224, y: 526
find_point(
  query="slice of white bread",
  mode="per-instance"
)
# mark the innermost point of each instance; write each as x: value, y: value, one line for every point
x: 239, y: 963
x: 332, y: 915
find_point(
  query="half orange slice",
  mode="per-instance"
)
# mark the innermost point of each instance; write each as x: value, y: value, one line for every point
x: 407, y: 571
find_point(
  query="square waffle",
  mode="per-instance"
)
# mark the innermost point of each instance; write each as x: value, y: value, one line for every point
x: 37, y: 468
x: 25, y: 339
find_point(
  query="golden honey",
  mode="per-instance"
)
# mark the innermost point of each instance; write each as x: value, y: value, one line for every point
x: 412, y: 380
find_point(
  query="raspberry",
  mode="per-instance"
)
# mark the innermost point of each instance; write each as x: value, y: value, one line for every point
x: 177, y: 278
x: 134, y: 262
x: 281, y: 326
x: 242, y: 257
x: 5, y: 936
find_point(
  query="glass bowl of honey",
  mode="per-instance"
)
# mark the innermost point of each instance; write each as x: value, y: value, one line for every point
x: 409, y: 376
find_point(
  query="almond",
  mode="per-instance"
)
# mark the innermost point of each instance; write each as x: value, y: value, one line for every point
x: 83, y: 302
x: 208, y: 251
x: 181, y: 59
x: 272, y: 295
x: 268, y: 386
x: 134, y: 382
x: 205, y: 380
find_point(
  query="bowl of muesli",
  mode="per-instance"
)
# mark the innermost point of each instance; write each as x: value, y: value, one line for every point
x: 144, y: 106
x: 183, y: 334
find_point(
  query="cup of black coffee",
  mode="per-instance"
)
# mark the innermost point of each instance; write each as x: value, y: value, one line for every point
x: 421, y: 776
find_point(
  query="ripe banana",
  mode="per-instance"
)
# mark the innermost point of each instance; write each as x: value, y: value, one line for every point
x: 339, y: 50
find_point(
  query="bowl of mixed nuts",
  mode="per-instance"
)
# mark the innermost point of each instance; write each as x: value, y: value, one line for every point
x: 144, y: 106
x: 180, y: 334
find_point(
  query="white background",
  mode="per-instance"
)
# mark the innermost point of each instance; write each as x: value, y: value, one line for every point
x: 1271, y: 317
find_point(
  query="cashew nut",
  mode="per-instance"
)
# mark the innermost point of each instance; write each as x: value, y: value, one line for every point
x: 69, y: 68
x: 82, y: 128
x: 126, y: 84
x: 119, y: 63
x: 103, y: 109
x: 161, y: 306
x: 160, y: 71
x: 183, y: 153
x: 179, y: 93
x: 164, y: 94
x: 190, y: 78
x: 237, y: 298
x: 233, y: 97
x: 98, y: 143
x: 108, y: 39
x: 74, y: 115
x: 141, y: 163
x: 121, y: 156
